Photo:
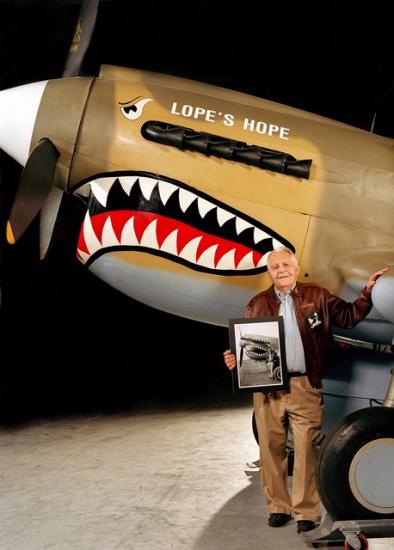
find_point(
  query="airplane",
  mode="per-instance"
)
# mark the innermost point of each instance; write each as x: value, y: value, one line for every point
x: 188, y: 186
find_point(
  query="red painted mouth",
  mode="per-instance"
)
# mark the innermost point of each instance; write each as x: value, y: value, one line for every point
x: 134, y: 211
x: 129, y: 226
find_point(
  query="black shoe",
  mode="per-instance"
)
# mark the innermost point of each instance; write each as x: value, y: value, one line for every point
x: 305, y: 525
x: 278, y: 520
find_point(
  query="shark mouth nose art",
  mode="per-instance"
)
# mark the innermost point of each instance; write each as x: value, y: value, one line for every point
x: 145, y: 212
x: 255, y: 346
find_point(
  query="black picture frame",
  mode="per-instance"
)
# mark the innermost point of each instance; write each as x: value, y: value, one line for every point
x: 259, y: 346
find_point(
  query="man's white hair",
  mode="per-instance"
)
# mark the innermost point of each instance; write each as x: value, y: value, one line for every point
x: 282, y: 249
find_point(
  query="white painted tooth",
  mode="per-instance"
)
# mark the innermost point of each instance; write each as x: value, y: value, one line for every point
x: 276, y: 244
x: 227, y: 261
x: 147, y: 185
x: 189, y: 252
x: 246, y: 262
x: 207, y: 258
x: 223, y: 216
x: 185, y: 199
x: 91, y: 240
x: 204, y: 206
x: 127, y: 183
x: 149, y: 238
x: 166, y: 190
x: 263, y: 261
x: 241, y: 225
x: 170, y: 243
x: 82, y: 256
x: 108, y: 237
x: 259, y: 235
x: 128, y: 236
x: 100, y: 188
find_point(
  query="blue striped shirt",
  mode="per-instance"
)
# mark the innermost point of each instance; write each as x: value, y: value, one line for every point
x: 295, y: 356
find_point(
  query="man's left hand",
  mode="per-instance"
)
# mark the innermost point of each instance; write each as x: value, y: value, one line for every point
x: 373, y: 278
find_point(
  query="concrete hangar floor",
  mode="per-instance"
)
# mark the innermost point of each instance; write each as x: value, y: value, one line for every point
x: 154, y: 476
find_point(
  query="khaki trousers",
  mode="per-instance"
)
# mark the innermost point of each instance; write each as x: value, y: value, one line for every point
x: 302, y: 407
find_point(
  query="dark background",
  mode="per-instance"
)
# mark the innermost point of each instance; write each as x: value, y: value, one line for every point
x: 69, y: 341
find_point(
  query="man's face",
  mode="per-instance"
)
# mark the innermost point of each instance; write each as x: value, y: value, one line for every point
x: 283, y: 271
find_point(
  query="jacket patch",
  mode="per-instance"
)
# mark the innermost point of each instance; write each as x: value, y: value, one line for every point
x: 313, y: 319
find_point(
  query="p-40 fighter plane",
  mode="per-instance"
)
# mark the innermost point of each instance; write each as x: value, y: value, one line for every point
x: 189, y: 186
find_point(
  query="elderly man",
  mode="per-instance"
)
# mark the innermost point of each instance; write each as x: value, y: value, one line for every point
x: 309, y: 312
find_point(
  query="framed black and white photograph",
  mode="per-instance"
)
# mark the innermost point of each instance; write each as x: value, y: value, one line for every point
x: 259, y: 347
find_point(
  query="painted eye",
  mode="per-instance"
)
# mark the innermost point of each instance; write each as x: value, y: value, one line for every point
x: 132, y: 111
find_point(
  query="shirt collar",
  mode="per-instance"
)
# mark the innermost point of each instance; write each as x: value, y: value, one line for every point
x: 282, y: 297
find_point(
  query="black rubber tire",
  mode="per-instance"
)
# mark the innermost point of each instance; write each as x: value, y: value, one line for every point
x: 254, y: 428
x: 277, y: 374
x: 335, y: 457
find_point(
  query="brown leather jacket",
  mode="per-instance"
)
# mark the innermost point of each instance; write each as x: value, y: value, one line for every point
x: 317, y: 311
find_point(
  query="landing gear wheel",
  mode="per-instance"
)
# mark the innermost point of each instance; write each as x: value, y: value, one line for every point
x: 363, y: 540
x: 277, y: 374
x: 254, y: 428
x: 355, y: 467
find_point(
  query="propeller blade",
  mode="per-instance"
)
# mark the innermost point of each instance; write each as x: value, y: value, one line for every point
x: 82, y: 36
x: 35, y: 184
x: 48, y: 216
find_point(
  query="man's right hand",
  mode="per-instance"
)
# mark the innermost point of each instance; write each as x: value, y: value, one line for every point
x: 229, y: 359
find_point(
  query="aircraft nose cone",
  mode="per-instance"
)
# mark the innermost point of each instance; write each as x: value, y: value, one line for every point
x: 18, y: 111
